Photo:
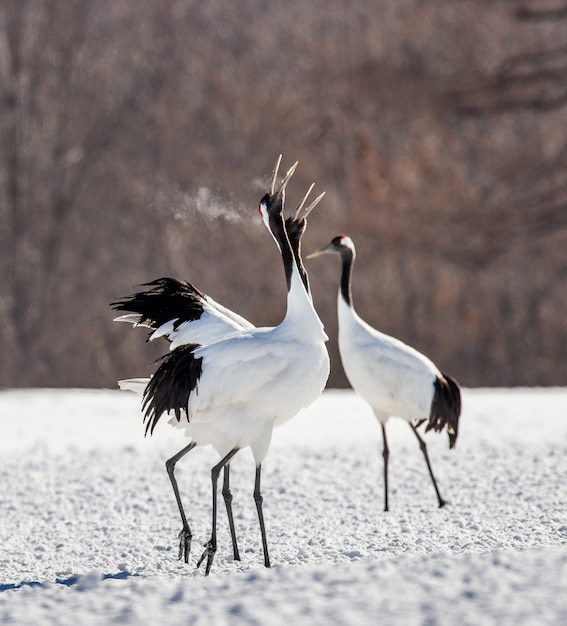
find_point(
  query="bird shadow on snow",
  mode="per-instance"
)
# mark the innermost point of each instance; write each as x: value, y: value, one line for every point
x: 78, y: 581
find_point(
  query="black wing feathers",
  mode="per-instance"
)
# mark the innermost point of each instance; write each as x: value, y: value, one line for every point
x: 167, y: 299
x: 446, y: 407
x: 171, y: 385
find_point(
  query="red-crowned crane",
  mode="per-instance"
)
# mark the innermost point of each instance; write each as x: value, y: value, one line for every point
x: 394, y: 378
x: 231, y: 393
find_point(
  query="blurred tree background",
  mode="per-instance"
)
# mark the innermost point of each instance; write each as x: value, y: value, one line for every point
x: 138, y: 137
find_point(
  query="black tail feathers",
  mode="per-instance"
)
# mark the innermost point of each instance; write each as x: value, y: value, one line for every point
x: 171, y: 385
x: 446, y: 407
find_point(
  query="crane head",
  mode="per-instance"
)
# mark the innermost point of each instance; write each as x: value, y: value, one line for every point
x: 341, y: 244
x: 272, y: 203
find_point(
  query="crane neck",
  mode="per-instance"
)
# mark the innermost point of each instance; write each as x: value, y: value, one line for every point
x: 300, y: 311
x: 277, y: 228
x: 300, y: 314
x: 296, y: 245
x: 345, y: 288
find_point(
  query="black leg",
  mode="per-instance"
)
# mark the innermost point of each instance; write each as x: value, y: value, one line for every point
x: 227, y: 495
x: 259, y: 500
x: 386, y: 456
x: 423, y: 448
x: 211, y: 545
x: 185, y: 534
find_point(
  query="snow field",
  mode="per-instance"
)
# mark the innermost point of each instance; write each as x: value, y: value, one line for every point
x: 88, y: 522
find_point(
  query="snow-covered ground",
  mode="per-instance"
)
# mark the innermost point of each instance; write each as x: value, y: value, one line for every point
x: 88, y: 523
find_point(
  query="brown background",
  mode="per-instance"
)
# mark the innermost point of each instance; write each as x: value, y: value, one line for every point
x: 137, y: 139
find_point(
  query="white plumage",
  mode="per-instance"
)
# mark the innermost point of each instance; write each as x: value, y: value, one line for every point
x: 231, y: 393
x: 394, y: 378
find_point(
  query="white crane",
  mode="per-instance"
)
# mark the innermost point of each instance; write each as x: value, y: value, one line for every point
x: 231, y: 393
x: 394, y: 378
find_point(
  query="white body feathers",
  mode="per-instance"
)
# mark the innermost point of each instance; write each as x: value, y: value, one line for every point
x: 256, y: 379
x: 394, y: 378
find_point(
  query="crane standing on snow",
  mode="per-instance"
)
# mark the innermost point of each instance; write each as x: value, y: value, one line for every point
x: 394, y: 378
x: 231, y: 393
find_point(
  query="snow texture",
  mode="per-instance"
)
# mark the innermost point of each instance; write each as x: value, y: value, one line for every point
x: 88, y: 522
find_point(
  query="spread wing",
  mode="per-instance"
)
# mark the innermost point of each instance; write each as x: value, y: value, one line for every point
x: 180, y: 312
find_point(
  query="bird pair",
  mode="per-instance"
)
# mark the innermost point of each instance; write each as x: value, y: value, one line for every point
x: 229, y: 383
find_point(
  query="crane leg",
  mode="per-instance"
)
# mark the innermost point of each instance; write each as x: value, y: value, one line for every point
x: 258, y: 498
x: 227, y: 495
x: 423, y: 448
x: 211, y: 545
x: 386, y: 456
x: 185, y: 534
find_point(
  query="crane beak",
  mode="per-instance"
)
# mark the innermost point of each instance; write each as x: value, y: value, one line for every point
x: 287, y: 178
x: 313, y: 204
x: 310, y: 207
x: 275, y: 175
x: 300, y: 205
x: 324, y: 250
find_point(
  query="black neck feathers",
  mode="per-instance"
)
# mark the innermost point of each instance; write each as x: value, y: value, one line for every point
x: 274, y: 208
x: 295, y: 229
x: 171, y: 385
x: 347, y: 258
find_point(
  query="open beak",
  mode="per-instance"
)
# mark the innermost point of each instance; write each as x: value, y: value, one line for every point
x: 311, y: 206
x: 275, y: 175
x: 300, y: 205
x: 324, y: 250
x: 286, y: 179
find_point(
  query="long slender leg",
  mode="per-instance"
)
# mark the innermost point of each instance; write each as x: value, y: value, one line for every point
x: 185, y: 534
x: 227, y: 495
x: 259, y: 500
x: 423, y: 448
x: 386, y: 456
x: 211, y: 545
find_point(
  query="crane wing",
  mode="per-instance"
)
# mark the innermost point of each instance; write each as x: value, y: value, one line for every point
x: 392, y: 376
x: 180, y: 312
